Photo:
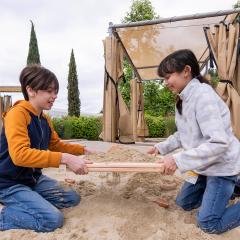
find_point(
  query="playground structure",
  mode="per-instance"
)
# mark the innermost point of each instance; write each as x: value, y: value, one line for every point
x: 213, y: 37
x: 6, y: 100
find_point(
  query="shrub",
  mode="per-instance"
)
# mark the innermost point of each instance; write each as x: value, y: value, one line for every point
x: 87, y: 127
x: 170, y: 126
x: 58, y: 126
x: 156, y: 126
x: 82, y: 127
x: 91, y: 127
x: 68, y: 132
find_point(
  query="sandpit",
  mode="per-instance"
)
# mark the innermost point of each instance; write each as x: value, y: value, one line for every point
x: 119, y: 206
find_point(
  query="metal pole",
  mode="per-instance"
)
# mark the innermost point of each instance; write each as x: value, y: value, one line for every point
x: 175, y: 19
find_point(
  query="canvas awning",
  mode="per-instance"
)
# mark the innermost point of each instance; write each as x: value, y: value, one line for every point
x: 148, y: 42
x: 116, y: 116
x: 223, y: 43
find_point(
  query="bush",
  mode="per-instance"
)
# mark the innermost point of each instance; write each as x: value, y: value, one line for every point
x: 82, y: 127
x: 87, y: 127
x: 160, y: 126
x: 58, y: 126
x: 170, y: 126
x: 156, y: 126
x: 91, y: 127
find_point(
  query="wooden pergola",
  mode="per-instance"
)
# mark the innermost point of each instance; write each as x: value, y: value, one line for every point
x: 6, y: 102
x: 145, y: 44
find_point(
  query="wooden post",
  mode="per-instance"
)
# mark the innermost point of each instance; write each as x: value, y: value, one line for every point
x: 7, y: 102
x: 133, y: 84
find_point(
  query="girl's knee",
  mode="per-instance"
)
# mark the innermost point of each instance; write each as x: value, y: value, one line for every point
x: 181, y: 203
x: 211, y: 226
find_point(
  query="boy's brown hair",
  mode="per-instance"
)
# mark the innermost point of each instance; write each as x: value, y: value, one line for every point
x: 38, y: 78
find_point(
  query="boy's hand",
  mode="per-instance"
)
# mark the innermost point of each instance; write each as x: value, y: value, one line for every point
x: 153, y: 151
x: 169, y: 165
x: 75, y: 163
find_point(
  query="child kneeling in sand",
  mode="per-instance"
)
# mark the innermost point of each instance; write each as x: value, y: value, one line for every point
x: 211, y: 151
x: 28, y: 144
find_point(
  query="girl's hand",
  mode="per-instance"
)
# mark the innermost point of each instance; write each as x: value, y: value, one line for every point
x: 169, y: 165
x: 153, y: 151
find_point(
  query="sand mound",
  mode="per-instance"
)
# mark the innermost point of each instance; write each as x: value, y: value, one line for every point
x: 121, y: 154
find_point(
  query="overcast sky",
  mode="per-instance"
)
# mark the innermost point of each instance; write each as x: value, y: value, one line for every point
x: 61, y: 25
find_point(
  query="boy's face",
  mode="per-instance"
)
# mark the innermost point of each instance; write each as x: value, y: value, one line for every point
x: 43, y: 99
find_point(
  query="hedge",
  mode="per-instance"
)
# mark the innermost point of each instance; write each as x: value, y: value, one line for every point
x: 81, y: 127
x: 91, y: 127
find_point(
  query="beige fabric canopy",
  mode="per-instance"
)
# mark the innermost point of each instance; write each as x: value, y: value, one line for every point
x: 116, y: 116
x: 223, y: 42
x: 148, y: 45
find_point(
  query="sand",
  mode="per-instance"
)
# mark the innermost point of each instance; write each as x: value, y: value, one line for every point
x: 118, y: 206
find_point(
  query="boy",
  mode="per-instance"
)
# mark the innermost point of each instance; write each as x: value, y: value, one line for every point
x: 28, y: 144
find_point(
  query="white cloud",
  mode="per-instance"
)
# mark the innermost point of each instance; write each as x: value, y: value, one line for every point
x: 82, y: 25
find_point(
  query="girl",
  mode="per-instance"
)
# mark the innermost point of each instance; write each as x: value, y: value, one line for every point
x: 211, y: 151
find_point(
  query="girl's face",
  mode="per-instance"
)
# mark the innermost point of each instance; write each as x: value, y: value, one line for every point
x: 176, y: 82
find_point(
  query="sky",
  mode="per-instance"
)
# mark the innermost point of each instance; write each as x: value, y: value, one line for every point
x: 81, y: 25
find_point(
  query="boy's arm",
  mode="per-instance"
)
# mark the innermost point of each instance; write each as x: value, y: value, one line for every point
x: 58, y: 146
x: 171, y: 143
x: 16, y: 130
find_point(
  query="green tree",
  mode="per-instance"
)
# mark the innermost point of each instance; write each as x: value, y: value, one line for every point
x: 237, y: 4
x: 158, y: 100
x: 74, y: 103
x: 33, y: 53
x: 139, y: 10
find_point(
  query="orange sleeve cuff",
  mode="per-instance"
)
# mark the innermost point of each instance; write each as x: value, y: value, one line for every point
x: 54, y: 159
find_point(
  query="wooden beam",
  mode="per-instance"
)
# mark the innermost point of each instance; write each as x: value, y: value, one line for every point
x: 122, y: 170
x: 126, y: 167
x: 10, y: 89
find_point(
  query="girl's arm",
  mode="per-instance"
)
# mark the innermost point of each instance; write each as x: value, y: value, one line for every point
x: 171, y: 143
x: 213, y: 130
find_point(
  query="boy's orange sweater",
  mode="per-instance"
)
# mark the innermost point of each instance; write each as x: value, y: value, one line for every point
x: 29, y: 141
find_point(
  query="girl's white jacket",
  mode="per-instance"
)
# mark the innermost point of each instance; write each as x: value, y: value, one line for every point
x: 204, y: 132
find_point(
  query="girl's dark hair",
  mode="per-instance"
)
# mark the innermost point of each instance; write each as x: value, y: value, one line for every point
x: 176, y: 62
x: 38, y: 78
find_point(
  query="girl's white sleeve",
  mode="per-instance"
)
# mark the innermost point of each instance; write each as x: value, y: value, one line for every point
x: 213, y: 130
x: 171, y: 143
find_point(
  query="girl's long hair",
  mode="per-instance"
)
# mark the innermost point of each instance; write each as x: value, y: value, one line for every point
x: 176, y: 62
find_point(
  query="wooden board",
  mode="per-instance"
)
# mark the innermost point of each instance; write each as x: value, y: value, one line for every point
x: 125, y: 167
x: 10, y: 89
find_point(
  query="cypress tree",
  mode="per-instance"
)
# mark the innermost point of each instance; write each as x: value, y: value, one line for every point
x: 74, y: 103
x: 33, y: 53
